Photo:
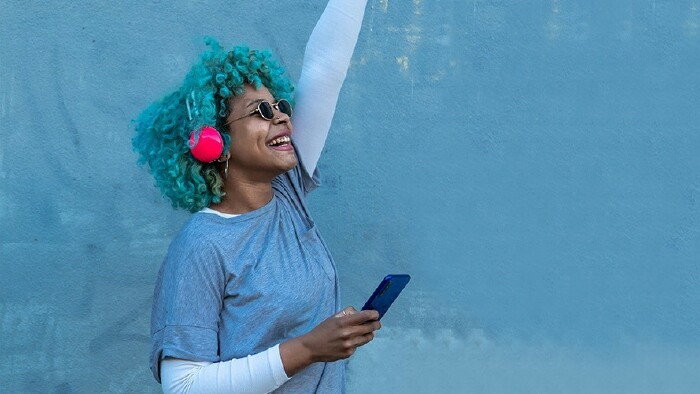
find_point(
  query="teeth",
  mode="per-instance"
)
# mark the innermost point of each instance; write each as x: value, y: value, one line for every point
x: 279, y: 141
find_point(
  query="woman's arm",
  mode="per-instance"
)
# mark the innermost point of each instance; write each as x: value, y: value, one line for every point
x: 326, y: 61
x: 335, y: 338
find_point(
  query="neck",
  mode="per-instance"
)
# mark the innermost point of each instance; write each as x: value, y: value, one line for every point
x: 243, y: 195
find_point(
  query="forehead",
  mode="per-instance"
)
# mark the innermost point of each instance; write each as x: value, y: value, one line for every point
x: 251, y: 95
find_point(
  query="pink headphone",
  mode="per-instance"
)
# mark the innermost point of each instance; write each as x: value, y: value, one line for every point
x: 206, y: 144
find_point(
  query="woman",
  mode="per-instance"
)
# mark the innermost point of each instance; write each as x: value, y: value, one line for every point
x: 247, y: 298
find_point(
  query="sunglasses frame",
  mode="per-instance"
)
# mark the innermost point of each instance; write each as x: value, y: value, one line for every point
x: 258, y: 111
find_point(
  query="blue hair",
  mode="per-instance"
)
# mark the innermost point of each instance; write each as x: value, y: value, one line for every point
x: 163, y: 129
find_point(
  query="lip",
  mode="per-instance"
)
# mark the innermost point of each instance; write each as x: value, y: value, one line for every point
x: 287, y: 147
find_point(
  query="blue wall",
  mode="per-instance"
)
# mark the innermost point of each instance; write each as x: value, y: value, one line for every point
x: 534, y: 165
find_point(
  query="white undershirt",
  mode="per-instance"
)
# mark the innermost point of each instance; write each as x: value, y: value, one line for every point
x: 326, y: 61
x: 259, y: 373
x: 217, y: 213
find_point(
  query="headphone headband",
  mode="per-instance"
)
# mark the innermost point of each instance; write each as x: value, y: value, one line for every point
x: 206, y: 145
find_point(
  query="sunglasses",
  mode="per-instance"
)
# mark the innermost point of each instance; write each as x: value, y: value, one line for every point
x: 264, y: 109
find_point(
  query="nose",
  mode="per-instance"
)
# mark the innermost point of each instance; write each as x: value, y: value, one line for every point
x: 280, y: 117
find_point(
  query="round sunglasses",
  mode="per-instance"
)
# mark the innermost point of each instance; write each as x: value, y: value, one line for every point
x: 264, y: 109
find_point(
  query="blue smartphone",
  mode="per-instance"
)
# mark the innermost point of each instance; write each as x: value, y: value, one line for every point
x: 386, y: 293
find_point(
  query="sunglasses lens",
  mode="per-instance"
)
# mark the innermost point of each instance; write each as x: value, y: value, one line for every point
x: 284, y: 107
x: 265, y: 109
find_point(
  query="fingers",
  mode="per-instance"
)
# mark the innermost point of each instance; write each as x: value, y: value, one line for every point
x: 345, y: 312
x: 366, y: 328
x: 356, y: 328
x: 364, y: 339
x: 351, y: 345
x: 359, y: 341
x: 361, y: 317
x: 358, y: 335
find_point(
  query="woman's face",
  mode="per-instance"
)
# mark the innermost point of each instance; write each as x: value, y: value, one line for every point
x: 252, y: 155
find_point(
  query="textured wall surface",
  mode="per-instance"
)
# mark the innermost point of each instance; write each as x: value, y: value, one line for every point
x: 533, y: 164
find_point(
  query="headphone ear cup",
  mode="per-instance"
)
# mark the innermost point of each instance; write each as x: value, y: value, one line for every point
x: 206, y: 145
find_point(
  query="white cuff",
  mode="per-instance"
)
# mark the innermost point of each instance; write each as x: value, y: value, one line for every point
x: 274, y: 358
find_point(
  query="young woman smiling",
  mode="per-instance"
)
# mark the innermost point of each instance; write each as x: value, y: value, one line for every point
x: 247, y: 298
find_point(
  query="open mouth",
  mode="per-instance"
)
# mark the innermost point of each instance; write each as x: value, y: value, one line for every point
x: 283, y: 142
x: 280, y: 142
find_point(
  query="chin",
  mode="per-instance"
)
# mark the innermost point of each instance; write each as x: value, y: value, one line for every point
x: 291, y: 164
x: 284, y: 165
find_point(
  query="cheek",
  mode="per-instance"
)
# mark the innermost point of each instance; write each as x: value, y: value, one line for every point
x: 246, y: 146
x: 250, y: 136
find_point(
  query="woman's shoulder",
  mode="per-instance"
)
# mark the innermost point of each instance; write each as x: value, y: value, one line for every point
x: 196, y: 246
x: 212, y: 232
x: 196, y: 227
x: 200, y: 232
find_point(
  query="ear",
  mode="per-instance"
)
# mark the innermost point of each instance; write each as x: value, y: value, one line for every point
x: 224, y: 157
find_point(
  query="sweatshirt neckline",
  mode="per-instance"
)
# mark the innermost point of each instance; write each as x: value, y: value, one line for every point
x: 244, y: 216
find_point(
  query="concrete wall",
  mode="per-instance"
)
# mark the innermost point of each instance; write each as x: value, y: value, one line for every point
x: 533, y: 164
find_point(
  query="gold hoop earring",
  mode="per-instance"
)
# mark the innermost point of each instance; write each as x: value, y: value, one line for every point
x: 226, y: 159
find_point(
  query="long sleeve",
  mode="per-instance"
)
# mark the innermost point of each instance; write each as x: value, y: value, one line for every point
x: 256, y: 374
x: 326, y: 61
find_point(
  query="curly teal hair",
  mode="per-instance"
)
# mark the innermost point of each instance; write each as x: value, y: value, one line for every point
x: 163, y: 129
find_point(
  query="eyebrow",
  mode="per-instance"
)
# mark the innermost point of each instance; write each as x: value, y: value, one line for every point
x: 254, y: 102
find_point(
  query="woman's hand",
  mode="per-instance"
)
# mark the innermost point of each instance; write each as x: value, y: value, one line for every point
x: 334, y: 339
x: 339, y: 336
